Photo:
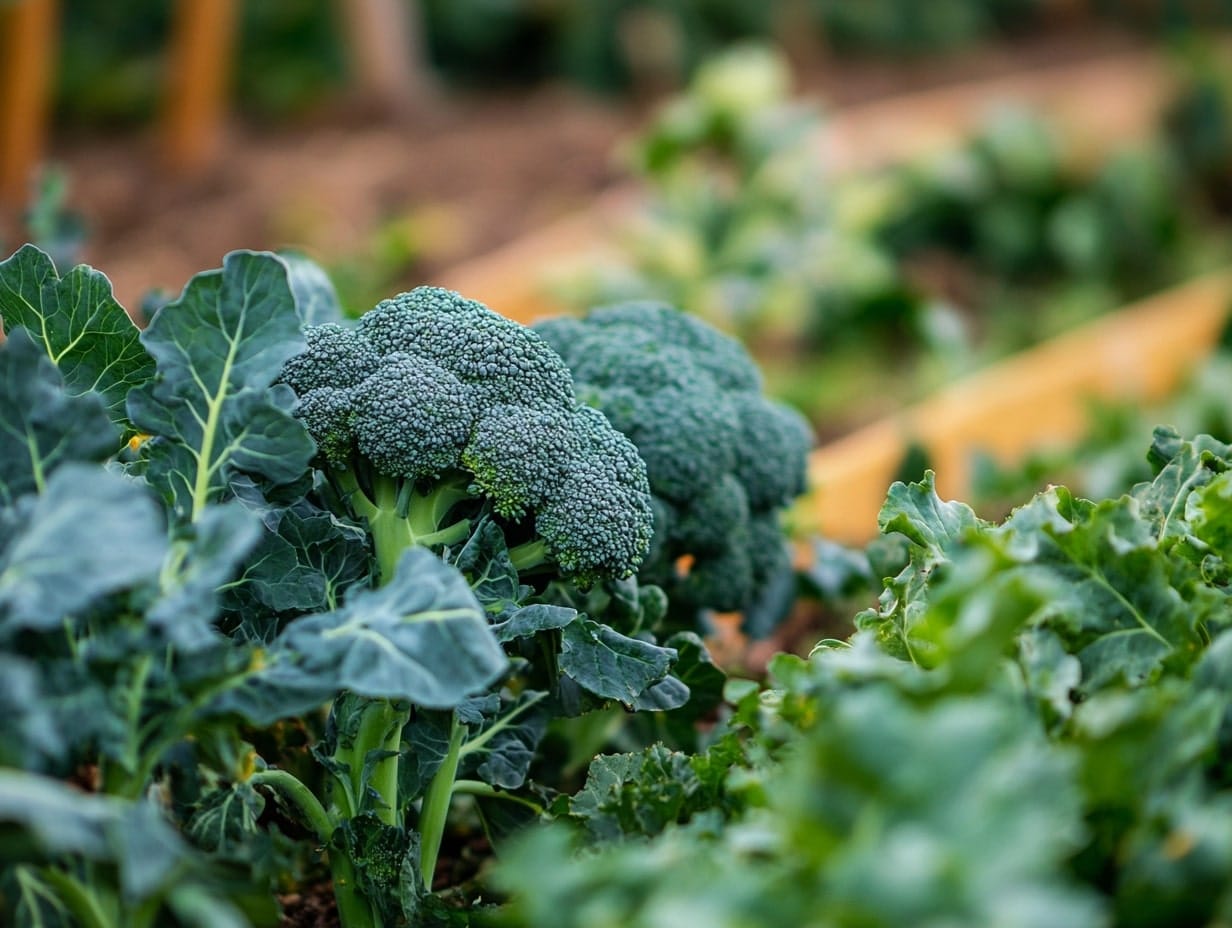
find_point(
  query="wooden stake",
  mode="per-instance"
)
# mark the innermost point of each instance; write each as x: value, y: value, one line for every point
x: 387, y: 59
x: 28, y: 48
x: 197, y: 85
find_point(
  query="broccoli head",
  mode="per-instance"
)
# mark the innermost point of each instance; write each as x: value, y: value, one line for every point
x: 723, y: 460
x: 433, y: 410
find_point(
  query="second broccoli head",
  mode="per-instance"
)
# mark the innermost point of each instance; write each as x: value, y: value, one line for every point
x: 434, y: 409
x: 723, y: 460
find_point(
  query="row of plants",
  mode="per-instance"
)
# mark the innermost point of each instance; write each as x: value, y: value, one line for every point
x: 1030, y: 728
x: 936, y: 265
x: 283, y: 596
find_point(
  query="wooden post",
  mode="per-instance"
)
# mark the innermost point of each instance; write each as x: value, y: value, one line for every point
x: 387, y: 60
x: 27, y: 59
x: 197, y: 82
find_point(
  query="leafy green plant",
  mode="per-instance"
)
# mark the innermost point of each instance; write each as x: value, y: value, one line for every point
x: 1030, y: 728
x: 193, y: 554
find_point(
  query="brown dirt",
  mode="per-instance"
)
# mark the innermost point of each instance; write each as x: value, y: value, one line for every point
x: 312, y: 907
x: 476, y: 173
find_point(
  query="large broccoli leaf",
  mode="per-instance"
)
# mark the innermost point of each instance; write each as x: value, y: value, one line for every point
x: 422, y: 637
x: 218, y: 350
x: 90, y: 534
x: 42, y: 426
x: 315, y: 296
x: 78, y: 324
x: 609, y: 664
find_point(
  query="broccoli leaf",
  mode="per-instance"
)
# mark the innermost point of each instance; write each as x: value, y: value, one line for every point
x: 225, y: 820
x: 508, y: 742
x: 537, y: 617
x: 315, y: 296
x: 206, y: 561
x: 29, y: 733
x: 92, y: 533
x: 422, y: 637
x: 42, y: 426
x: 78, y: 324
x: 302, y: 563
x: 610, y: 664
x: 634, y: 794
x: 219, y: 348
x: 918, y: 512
x: 1121, y: 607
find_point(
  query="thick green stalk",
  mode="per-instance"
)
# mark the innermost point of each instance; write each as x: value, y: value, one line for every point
x: 300, y: 796
x: 398, y: 518
x: 354, y: 909
x: 435, y: 809
x: 529, y: 554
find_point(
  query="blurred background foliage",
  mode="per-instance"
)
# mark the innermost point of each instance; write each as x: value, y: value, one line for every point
x: 291, y: 53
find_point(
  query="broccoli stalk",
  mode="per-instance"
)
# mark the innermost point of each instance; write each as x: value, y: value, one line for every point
x: 403, y: 513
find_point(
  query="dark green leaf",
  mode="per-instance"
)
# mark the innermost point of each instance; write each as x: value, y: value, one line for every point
x: 422, y: 637
x: 79, y: 326
x: 225, y: 821
x: 42, y: 426
x: 528, y: 620
x: 315, y: 296
x: 218, y: 350
x: 609, y: 664
x: 92, y: 533
x: 634, y: 794
x: 303, y: 562
x: 485, y: 561
x: 205, y: 561
x: 505, y: 757
x: 384, y: 858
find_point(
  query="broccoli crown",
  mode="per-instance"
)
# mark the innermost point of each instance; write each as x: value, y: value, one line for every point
x: 429, y: 387
x: 722, y: 458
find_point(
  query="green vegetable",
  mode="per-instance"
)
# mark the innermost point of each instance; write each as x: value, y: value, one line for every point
x: 1031, y: 729
x: 722, y: 459
x: 433, y: 403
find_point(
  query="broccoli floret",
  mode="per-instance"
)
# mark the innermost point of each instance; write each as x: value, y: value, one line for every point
x: 770, y: 452
x: 722, y: 459
x: 434, y: 410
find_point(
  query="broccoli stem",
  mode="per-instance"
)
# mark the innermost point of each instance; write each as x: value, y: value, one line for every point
x: 435, y: 809
x: 529, y: 554
x: 401, y: 515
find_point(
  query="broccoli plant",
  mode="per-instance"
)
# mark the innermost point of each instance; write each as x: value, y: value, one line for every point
x: 188, y: 558
x: 443, y: 427
x: 723, y: 460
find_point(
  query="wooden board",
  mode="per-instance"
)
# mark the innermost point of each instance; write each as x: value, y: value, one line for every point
x: 1035, y: 398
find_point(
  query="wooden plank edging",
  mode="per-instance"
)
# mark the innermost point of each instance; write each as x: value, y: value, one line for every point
x: 1037, y: 397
